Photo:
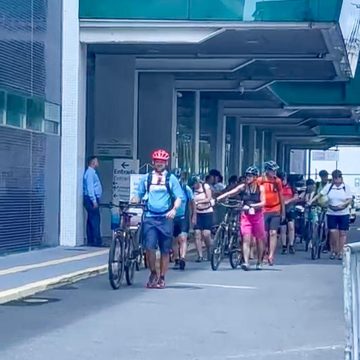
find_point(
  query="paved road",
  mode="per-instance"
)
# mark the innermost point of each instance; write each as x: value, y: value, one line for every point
x: 291, y: 311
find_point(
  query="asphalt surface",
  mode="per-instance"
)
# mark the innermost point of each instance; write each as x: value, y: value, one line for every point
x: 291, y: 311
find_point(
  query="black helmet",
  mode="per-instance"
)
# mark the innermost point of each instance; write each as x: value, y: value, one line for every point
x: 310, y: 182
x: 336, y: 174
x: 323, y: 173
x: 271, y: 166
x: 193, y: 181
x: 252, y: 170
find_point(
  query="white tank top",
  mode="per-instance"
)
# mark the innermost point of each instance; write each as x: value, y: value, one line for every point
x: 199, y: 194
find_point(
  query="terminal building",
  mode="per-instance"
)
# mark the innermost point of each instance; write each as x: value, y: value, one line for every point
x: 219, y: 83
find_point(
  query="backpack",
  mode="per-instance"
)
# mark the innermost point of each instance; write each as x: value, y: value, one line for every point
x: 168, y: 189
x: 332, y: 185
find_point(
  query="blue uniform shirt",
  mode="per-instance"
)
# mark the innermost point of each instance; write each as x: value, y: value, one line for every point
x: 158, y: 198
x: 91, y: 184
x: 188, y: 195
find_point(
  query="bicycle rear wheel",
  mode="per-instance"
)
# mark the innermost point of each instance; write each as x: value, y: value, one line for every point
x: 218, y: 251
x: 116, y: 262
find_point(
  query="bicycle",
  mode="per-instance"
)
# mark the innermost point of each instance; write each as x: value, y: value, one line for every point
x: 310, y: 228
x: 226, y: 240
x: 320, y: 240
x: 125, y: 255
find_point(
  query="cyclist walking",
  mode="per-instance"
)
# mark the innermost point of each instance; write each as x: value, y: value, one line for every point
x: 274, y: 205
x: 204, y: 215
x: 338, y: 195
x: 288, y: 225
x: 185, y: 214
x: 252, y: 217
x: 164, y: 198
x: 324, y: 180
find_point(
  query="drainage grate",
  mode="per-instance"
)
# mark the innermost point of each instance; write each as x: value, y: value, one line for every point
x: 32, y: 301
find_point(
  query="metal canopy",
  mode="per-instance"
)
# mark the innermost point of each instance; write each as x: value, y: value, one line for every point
x: 246, y: 69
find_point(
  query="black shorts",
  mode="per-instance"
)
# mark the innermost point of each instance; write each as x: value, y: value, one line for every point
x: 290, y: 215
x: 272, y: 221
x: 338, y: 222
x: 204, y: 221
x: 181, y: 226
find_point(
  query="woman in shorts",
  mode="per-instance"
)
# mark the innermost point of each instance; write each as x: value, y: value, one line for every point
x: 252, y: 217
x: 339, y: 198
x: 204, y: 215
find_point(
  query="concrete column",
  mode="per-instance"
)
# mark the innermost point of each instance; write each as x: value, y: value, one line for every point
x: 72, y: 128
x: 262, y: 149
x: 221, y: 133
x: 237, y: 146
x: 249, y: 144
x: 197, y: 131
x: 286, y: 166
x: 114, y: 105
x: 280, y: 154
x: 273, y: 147
x: 156, y: 114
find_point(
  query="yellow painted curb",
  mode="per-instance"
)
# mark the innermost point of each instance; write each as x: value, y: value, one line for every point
x: 64, y: 260
x: 43, y: 285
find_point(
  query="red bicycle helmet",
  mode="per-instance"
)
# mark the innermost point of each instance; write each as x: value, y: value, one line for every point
x: 161, y: 155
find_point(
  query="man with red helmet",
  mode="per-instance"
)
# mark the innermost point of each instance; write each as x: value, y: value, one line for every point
x: 164, y: 197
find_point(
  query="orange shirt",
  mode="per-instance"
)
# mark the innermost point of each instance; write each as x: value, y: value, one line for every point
x: 273, y: 188
x: 287, y: 192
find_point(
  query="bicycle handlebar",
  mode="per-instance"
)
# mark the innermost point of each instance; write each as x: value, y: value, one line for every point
x: 232, y: 205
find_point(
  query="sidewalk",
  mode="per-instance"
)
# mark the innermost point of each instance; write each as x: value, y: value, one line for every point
x: 28, y: 273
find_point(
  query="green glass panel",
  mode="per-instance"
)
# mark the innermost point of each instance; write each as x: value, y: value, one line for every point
x: 217, y: 9
x: 34, y: 114
x: 339, y: 130
x: 130, y: 9
x: 185, y: 132
x: 226, y: 10
x: 16, y: 110
x: 297, y: 10
x: 333, y: 93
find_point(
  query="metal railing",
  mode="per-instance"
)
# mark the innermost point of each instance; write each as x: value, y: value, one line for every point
x: 352, y: 300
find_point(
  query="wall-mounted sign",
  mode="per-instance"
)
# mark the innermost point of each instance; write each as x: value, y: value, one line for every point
x: 122, y: 171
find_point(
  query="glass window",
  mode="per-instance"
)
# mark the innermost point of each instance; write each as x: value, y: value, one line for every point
x: 51, y: 127
x: 208, y: 134
x: 2, y: 107
x: 230, y: 156
x: 185, y: 134
x: 35, y: 114
x: 16, y: 110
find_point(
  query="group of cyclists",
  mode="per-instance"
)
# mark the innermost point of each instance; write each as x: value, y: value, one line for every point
x: 177, y: 203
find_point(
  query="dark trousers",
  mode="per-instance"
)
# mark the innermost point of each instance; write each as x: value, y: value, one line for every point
x: 93, y: 223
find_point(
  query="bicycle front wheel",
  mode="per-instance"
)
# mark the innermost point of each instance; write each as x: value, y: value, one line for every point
x: 116, y: 264
x: 218, y: 251
x: 130, y: 269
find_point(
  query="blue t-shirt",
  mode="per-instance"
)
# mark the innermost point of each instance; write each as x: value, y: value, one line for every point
x: 158, y: 198
x: 188, y: 195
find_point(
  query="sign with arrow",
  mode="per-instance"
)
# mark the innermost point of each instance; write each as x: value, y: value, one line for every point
x: 122, y: 171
